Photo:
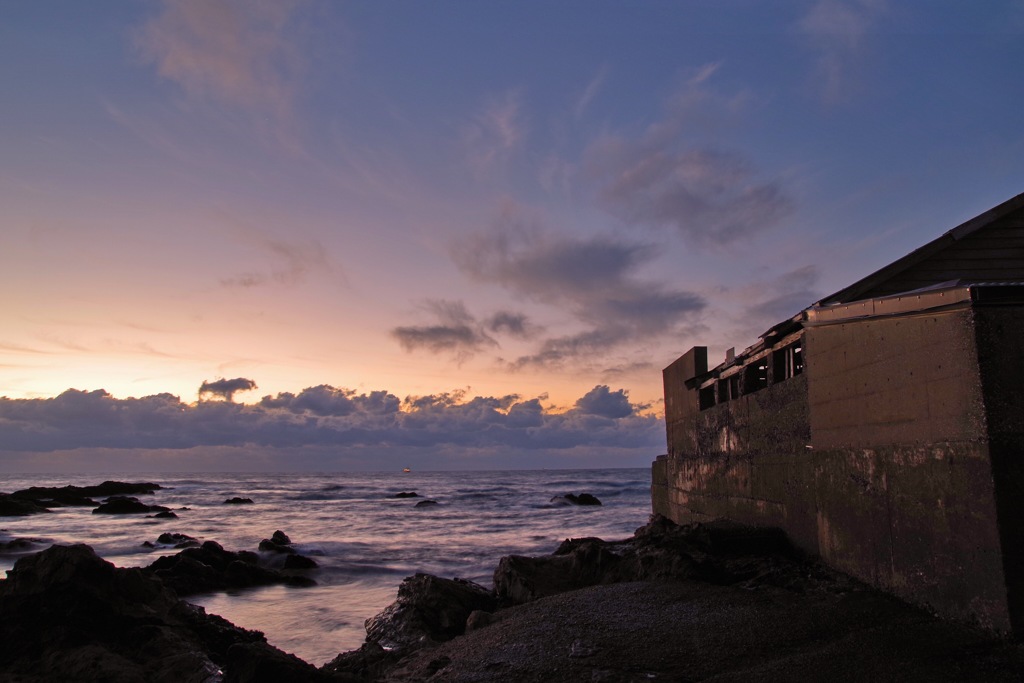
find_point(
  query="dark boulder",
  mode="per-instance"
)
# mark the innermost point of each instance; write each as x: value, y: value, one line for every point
x: 370, y: 662
x: 238, y: 501
x: 722, y: 553
x: 425, y: 504
x: 126, y: 505
x: 17, y: 546
x: 69, y: 615
x: 50, y: 496
x: 166, y: 514
x: 573, y: 499
x: 407, y: 494
x: 13, y: 506
x: 262, y: 663
x: 211, y: 568
x: 281, y: 538
x: 267, y: 545
x: 177, y: 540
x: 428, y: 610
x: 299, y: 562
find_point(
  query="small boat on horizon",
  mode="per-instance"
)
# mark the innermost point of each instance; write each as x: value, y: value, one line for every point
x: 406, y: 470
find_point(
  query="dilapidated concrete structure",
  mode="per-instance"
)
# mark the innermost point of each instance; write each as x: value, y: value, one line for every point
x: 882, y: 427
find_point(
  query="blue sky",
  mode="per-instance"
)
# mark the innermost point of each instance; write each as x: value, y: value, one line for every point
x: 508, y: 202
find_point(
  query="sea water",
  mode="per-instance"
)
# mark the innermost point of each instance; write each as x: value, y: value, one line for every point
x: 364, y: 538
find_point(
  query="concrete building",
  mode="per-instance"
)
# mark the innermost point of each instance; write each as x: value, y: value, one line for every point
x: 882, y: 427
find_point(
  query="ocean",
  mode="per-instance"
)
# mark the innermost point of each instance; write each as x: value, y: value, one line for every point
x: 364, y: 538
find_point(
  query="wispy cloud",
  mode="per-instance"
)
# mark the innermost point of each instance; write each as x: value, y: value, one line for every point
x: 495, y: 132
x: 837, y: 29
x: 666, y: 176
x: 456, y: 332
x: 293, y: 262
x: 590, y: 92
x: 594, y: 280
x: 233, y: 51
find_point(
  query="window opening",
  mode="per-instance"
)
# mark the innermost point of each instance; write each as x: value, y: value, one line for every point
x: 755, y: 376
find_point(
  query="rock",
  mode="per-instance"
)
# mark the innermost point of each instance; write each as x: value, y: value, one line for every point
x: 50, y: 496
x: 210, y: 568
x: 720, y: 552
x: 573, y: 499
x: 425, y: 504
x: 268, y: 545
x: 407, y: 494
x: 478, y: 619
x: 126, y: 505
x: 69, y: 615
x: 13, y: 506
x: 428, y: 610
x: 299, y: 562
x: 238, y: 501
x: 262, y: 663
x: 177, y: 540
x: 166, y: 514
x: 16, y: 546
x: 369, y: 663
x: 281, y: 538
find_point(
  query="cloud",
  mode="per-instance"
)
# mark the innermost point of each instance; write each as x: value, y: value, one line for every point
x: 495, y: 132
x: 711, y: 197
x: 590, y: 92
x: 836, y: 29
x: 456, y: 332
x: 226, y: 388
x: 606, y: 403
x: 516, y: 325
x: 325, y: 416
x: 238, y: 52
x: 666, y: 176
x: 295, y: 261
x: 593, y: 279
x: 784, y: 296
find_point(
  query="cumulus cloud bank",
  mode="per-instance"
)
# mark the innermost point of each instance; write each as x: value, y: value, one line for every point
x: 327, y: 416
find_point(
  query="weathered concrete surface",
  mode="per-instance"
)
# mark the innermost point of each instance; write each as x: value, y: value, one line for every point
x: 898, y: 456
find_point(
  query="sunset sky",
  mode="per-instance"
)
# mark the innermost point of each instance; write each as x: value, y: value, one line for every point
x: 406, y: 223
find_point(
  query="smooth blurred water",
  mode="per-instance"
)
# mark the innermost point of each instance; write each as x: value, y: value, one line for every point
x: 365, y: 540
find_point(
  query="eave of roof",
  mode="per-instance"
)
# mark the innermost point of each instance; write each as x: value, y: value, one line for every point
x: 856, y: 291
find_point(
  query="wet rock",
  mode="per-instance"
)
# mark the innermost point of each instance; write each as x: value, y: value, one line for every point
x: 267, y: 545
x: 573, y: 499
x: 13, y: 506
x: 126, y: 505
x: 69, y: 615
x: 166, y: 514
x: 20, y: 545
x: 281, y: 538
x: 425, y: 504
x: 428, y: 610
x: 177, y: 540
x: 299, y: 562
x: 407, y: 494
x: 50, y: 496
x: 238, y: 501
x: 211, y: 568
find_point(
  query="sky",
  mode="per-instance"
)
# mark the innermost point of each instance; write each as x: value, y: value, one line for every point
x: 314, y: 234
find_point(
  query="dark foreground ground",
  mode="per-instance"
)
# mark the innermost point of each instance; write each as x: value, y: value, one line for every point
x: 711, y: 602
x: 692, y: 631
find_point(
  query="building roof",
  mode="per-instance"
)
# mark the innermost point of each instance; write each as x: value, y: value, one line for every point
x: 988, y: 247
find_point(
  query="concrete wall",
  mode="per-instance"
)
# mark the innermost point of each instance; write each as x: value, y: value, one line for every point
x: 877, y: 458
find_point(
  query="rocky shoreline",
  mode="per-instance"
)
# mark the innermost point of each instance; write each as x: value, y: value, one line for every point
x: 706, y: 602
